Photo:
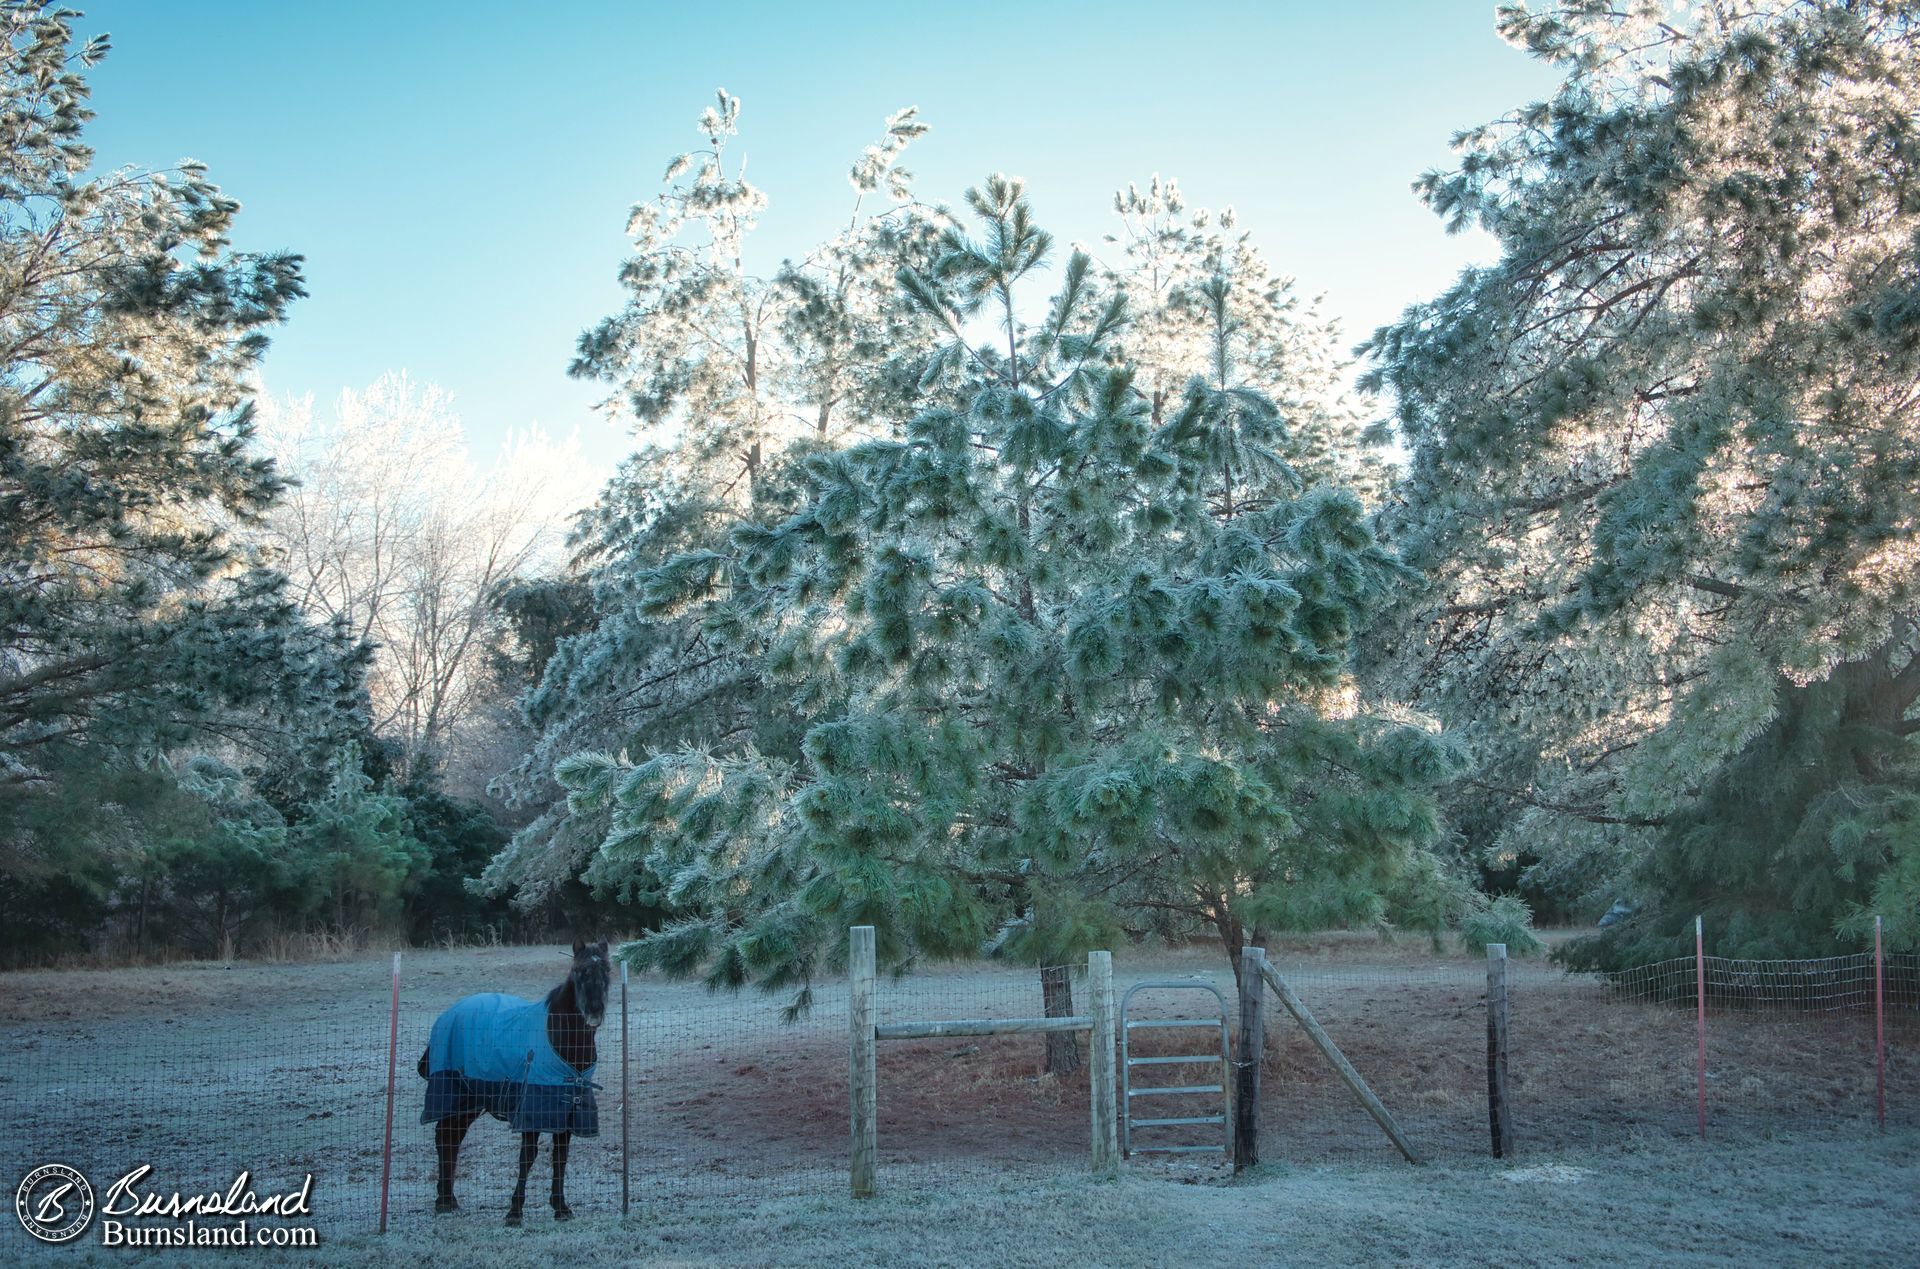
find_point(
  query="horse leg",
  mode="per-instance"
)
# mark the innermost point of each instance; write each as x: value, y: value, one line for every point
x: 447, y: 1136
x: 529, y: 1151
x: 561, y: 1212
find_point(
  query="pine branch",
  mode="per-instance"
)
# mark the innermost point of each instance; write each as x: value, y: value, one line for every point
x: 1592, y: 815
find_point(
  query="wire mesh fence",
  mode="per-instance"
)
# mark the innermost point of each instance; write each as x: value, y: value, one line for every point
x: 201, y: 1072
x: 988, y: 1103
x: 1792, y: 1045
x: 198, y: 1099
x: 730, y: 1092
x: 1596, y: 1061
x: 1416, y: 1033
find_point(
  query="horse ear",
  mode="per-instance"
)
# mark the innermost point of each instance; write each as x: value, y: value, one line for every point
x: 605, y: 948
x: 578, y: 947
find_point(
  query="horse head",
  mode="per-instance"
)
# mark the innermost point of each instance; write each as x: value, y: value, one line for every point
x: 592, y: 972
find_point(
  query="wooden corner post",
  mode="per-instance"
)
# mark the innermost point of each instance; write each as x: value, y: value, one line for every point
x: 1100, y: 1083
x: 862, y: 1078
x: 1499, y: 1105
x: 1247, y: 1054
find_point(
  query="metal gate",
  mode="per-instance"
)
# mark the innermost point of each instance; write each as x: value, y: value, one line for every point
x: 1218, y: 1061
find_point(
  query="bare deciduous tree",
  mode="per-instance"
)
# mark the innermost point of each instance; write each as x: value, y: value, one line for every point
x: 394, y: 528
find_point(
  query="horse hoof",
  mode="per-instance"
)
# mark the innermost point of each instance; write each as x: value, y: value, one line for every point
x: 442, y: 1206
x: 513, y: 1218
x: 563, y: 1213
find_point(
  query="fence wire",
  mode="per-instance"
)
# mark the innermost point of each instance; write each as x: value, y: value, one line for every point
x: 200, y: 1088
x: 990, y: 1104
x: 1593, y: 1061
x: 281, y: 1070
x: 1416, y: 1033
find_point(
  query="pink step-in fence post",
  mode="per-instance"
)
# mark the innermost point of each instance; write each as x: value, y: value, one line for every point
x: 1879, y: 1028
x: 626, y: 1099
x: 1700, y: 1026
x: 393, y: 1048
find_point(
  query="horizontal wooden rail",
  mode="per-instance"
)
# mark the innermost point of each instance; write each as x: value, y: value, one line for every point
x: 978, y: 1026
x: 863, y: 1070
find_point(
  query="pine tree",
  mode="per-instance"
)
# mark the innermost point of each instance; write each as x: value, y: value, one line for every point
x: 356, y: 850
x: 1663, y: 470
x: 137, y: 615
x: 728, y: 377
x: 1201, y: 296
x: 131, y: 617
x: 1062, y: 668
x: 704, y: 339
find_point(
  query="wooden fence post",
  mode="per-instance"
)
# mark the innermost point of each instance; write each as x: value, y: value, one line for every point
x: 1100, y: 1082
x: 1248, y: 1052
x: 862, y: 1078
x: 1499, y: 1106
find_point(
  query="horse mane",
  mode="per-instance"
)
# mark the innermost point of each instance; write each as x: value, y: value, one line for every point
x: 567, y: 1029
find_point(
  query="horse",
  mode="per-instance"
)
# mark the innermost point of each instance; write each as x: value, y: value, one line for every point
x: 529, y: 1063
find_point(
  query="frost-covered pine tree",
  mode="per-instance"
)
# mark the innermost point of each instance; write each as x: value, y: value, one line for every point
x: 1663, y: 469
x: 137, y: 619
x: 727, y: 376
x: 1063, y: 668
x: 733, y: 365
x: 1204, y: 299
x: 134, y: 614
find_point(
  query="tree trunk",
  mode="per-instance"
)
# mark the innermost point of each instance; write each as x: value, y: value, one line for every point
x: 1056, y: 994
x: 1232, y: 936
x: 1243, y: 937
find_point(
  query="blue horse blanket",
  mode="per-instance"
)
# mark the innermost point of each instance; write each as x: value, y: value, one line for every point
x: 491, y: 1053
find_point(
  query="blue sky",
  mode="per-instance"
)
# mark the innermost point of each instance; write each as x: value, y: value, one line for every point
x: 458, y: 176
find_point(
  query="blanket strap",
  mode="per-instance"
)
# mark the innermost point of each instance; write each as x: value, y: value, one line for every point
x: 526, y: 1074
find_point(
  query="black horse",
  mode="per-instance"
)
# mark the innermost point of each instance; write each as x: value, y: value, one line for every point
x: 527, y: 1062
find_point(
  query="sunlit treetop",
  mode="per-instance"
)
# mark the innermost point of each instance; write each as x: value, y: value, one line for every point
x: 1662, y: 465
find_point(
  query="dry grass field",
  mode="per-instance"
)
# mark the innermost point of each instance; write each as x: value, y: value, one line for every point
x: 738, y: 1120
